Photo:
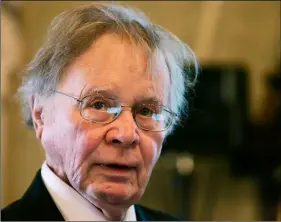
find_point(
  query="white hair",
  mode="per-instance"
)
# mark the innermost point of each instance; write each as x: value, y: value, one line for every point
x: 73, y: 31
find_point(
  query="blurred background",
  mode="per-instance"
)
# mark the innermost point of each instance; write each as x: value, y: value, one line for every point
x: 225, y: 162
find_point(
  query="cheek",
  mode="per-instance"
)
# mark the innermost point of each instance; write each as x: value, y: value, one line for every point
x: 82, y: 138
x: 58, y: 138
x: 87, y: 143
x: 85, y: 148
x: 151, y: 149
x: 69, y: 138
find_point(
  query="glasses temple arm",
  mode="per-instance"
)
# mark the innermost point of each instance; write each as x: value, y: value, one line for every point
x: 78, y: 100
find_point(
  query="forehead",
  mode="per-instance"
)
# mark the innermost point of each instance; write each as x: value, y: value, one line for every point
x: 113, y: 63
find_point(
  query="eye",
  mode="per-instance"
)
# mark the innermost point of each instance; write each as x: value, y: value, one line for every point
x: 145, y: 112
x: 99, y: 105
x: 148, y: 110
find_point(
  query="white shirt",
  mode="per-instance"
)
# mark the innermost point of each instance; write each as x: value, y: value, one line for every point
x: 70, y: 203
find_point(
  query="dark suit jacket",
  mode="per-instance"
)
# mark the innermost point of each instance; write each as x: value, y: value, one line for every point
x: 37, y: 205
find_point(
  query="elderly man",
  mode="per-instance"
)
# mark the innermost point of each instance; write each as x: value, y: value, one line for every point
x: 102, y: 94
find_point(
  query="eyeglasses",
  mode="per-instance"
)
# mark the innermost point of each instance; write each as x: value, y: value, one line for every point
x: 149, y: 117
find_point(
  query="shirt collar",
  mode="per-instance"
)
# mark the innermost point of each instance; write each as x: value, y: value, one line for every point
x: 70, y: 203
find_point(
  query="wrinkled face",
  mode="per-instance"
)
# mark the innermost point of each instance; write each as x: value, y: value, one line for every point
x: 86, y: 153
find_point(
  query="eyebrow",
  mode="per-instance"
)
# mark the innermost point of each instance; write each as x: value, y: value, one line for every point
x: 113, y: 94
x: 103, y: 91
x: 148, y: 99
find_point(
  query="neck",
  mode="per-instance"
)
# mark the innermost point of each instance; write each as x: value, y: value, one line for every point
x: 57, y: 170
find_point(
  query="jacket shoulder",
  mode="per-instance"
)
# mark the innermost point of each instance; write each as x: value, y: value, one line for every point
x: 35, y: 204
x: 11, y: 212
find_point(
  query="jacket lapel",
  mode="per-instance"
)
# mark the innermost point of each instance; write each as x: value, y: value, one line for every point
x: 37, y: 204
x: 140, y: 215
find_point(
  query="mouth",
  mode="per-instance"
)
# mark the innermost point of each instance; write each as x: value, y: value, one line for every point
x: 116, y: 172
x: 117, y: 168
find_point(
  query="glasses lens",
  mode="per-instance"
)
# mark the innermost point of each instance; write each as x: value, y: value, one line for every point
x: 153, y: 117
x: 99, y: 109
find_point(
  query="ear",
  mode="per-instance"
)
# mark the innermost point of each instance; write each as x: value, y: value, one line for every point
x: 37, y: 116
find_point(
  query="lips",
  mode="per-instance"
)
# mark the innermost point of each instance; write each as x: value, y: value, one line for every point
x: 116, y: 171
x: 118, y: 165
x: 120, y: 172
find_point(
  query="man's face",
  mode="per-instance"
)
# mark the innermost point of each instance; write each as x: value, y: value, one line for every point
x: 85, y: 154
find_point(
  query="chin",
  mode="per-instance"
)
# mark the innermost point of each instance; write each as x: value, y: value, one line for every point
x: 115, y: 193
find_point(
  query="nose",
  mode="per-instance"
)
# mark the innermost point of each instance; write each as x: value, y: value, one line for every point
x: 122, y: 131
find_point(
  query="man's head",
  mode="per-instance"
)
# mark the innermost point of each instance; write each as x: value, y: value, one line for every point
x: 103, y: 93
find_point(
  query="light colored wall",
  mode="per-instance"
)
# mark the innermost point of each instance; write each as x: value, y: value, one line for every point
x: 245, y: 32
